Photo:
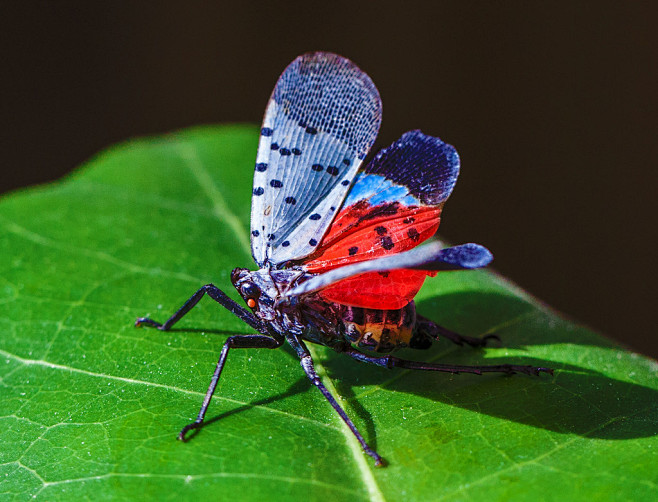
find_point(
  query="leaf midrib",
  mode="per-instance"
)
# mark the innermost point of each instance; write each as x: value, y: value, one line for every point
x: 190, y: 157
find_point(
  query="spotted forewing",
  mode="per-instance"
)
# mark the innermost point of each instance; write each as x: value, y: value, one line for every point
x: 321, y: 120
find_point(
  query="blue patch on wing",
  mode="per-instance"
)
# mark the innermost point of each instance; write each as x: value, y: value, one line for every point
x: 376, y: 189
x: 416, y: 170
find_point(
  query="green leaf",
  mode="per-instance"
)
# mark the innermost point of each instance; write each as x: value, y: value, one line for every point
x: 90, y: 406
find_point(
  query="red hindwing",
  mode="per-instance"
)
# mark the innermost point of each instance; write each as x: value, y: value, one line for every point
x: 362, y: 232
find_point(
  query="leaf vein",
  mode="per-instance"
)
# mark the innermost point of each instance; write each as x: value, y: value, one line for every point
x: 46, y: 364
x: 93, y: 253
x: 194, y: 477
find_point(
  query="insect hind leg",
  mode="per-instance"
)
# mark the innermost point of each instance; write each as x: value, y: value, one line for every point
x: 396, y: 362
x: 428, y: 328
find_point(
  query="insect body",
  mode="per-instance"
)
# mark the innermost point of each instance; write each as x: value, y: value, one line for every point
x: 336, y: 242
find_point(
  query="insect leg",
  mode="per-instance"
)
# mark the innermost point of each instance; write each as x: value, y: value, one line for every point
x: 216, y: 294
x: 430, y: 328
x: 307, y: 364
x: 396, y: 362
x: 233, y: 342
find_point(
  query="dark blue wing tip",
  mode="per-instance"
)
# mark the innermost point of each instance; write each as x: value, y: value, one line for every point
x: 428, y: 166
x: 446, y: 156
x: 448, y: 152
x: 466, y: 256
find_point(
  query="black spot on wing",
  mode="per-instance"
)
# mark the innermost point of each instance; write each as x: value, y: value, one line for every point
x: 413, y: 234
x: 353, y: 250
x: 276, y: 184
x: 387, y: 243
x: 258, y: 191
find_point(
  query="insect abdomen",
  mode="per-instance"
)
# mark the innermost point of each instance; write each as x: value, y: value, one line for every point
x: 379, y: 330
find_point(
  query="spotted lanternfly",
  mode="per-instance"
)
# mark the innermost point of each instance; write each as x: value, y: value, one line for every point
x: 335, y: 242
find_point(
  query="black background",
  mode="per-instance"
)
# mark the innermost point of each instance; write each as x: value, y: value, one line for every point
x: 551, y: 105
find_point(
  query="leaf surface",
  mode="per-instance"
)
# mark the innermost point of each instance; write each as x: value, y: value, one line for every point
x: 90, y: 406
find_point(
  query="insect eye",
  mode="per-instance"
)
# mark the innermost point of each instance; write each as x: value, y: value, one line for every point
x: 250, y: 290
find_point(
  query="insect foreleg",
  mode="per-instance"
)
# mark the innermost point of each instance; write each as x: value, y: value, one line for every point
x: 307, y: 364
x: 396, y: 362
x: 233, y: 342
x: 433, y: 330
x: 216, y: 294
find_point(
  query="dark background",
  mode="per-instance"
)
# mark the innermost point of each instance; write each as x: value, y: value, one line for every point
x: 551, y: 105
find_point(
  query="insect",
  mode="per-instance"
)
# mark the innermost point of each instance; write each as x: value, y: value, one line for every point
x: 336, y: 242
